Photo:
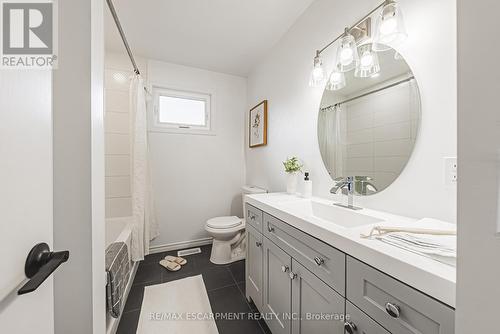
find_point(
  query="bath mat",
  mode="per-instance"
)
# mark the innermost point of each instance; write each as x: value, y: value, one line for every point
x: 177, y: 307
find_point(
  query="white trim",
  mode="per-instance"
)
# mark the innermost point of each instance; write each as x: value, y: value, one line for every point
x: 206, y: 95
x: 97, y: 166
x: 179, y: 245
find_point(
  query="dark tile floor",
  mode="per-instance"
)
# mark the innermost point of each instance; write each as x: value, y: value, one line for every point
x: 225, y: 287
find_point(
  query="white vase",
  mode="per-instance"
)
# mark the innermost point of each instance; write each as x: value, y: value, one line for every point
x: 291, y: 183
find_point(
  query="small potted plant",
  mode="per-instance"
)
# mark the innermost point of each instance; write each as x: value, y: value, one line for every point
x: 292, y: 167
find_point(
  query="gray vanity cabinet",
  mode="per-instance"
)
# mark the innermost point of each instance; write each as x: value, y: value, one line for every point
x: 254, y: 266
x: 305, y: 286
x: 277, y: 302
x: 317, y: 308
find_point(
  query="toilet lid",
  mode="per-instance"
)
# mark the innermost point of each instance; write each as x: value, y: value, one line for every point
x: 224, y: 222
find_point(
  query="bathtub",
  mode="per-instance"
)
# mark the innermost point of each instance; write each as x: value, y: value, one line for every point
x: 119, y: 230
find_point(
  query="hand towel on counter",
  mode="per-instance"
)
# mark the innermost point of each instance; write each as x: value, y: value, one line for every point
x: 442, y: 248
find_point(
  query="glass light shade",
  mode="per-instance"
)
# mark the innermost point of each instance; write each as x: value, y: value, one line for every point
x: 390, y: 28
x: 368, y: 62
x: 336, y: 81
x: 347, y: 53
x: 318, y: 74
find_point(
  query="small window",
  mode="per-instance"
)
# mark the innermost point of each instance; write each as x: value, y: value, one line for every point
x: 182, y: 111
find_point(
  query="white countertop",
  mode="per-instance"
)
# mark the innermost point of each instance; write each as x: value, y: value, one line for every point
x: 433, y: 278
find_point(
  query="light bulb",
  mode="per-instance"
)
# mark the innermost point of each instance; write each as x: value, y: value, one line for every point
x: 346, y: 56
x: 336, y: 77
x: 390, y: 29
x: 366, y: 59
x: 318, y: 73
x: 368, y: 64
x: 347, y: 53
x: 336, y: 81
x: 388, y: 25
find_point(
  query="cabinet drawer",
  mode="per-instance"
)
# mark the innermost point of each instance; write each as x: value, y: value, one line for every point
x: 324, y: 261
x: 360, y: 322
x: 412, y: 311
x: 254, y: 217
x: 254, y: 266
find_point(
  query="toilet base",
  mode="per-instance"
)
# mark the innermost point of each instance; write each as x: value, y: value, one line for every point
x: 224, y: 252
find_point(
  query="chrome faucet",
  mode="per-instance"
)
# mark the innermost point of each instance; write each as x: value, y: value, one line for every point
x: 347, y: 186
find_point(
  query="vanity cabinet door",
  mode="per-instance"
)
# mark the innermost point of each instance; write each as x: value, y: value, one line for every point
x: 254, y: 266
x: 359, y: 323
x: 316, y: 307
x: 277, y: 300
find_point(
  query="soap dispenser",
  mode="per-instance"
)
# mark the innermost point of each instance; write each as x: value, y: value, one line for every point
x: 307, y: 186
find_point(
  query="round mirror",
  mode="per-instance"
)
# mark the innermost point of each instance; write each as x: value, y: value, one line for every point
x: 369, y: 119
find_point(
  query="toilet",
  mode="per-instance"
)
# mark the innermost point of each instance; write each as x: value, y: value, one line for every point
x: 228, y: 233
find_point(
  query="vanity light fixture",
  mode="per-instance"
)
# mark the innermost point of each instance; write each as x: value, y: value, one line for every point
x: 390, y: 28
x: 389, y: 31
x: 318, y: 73
x: 368, y: 63
x: 347, y: 53
x: 336, y: 81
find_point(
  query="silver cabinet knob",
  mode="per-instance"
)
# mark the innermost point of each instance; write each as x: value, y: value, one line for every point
x: 270, y: 229
x: 350, y: 327
x: 393, y: 310
x: 252, y: 217
x: 319, y: 261
x: 292, y: 275
x: 258, y: 243
x: 284, y: 269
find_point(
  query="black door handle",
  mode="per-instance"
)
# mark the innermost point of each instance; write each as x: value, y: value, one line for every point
x: 40, y: 264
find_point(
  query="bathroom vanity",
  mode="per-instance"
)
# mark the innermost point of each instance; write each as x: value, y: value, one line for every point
x: 309, y: 271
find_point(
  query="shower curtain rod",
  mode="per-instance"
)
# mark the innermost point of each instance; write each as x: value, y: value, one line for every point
x: 122, y: 35
x: 368, y: 93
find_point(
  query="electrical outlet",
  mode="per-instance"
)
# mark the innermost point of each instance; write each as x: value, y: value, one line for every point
x: 450, y: 171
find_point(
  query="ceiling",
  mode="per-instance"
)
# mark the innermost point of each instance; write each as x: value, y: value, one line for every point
x: 228, y: 36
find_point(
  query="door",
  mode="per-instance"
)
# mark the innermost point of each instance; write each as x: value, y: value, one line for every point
x: 25, y: 196
x: 254, y: 265
x: 318, y: 308
x: 277, y: 288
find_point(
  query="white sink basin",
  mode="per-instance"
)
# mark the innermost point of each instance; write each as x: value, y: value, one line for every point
x: 339, y: 216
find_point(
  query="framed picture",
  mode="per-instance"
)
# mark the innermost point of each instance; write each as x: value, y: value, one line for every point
x: 257, y: 125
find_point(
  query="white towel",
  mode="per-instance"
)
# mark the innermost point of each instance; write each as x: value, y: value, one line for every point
x: 442, y: 248
x: 439, y: 248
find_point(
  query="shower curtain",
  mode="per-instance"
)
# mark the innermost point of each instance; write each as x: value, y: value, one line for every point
x: 330, y: 141
x: 145, y: 226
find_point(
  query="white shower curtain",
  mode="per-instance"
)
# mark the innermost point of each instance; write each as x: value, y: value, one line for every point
x: 145, y: 225
x: 330, y: 140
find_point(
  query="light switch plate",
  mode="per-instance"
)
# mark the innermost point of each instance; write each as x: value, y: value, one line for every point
x: 450, y: 171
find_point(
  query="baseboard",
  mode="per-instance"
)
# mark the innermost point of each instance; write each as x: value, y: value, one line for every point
x: 179, y: 245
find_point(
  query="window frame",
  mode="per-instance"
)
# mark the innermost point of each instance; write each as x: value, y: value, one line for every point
x: 208, y: 97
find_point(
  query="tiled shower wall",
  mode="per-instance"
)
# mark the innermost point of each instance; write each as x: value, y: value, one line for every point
x: 381, y: 133
x: 117, y: 129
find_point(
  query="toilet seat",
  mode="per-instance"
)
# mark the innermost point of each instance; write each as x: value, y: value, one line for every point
x: 224, y: 222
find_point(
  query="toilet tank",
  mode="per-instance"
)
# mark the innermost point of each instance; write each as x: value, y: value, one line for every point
x: 248, y: 190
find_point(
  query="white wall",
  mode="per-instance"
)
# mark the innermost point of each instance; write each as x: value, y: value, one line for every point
x: 197, y: 177
x: 283, y: 77
x: 478, y: 269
